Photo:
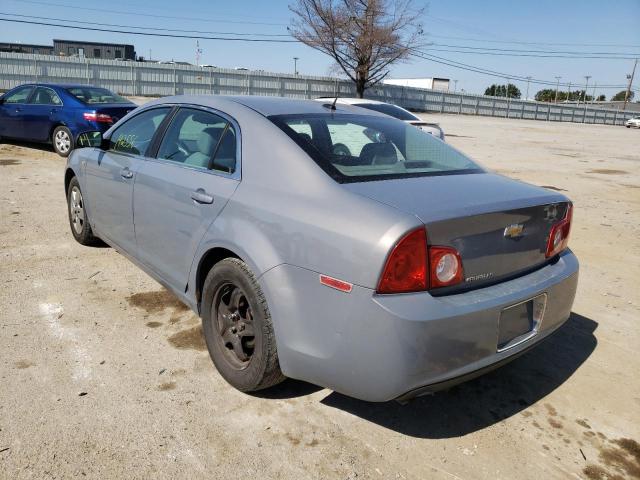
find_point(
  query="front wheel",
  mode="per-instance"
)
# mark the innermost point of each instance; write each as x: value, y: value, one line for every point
x: 237, y: 327
x: 62, y: 141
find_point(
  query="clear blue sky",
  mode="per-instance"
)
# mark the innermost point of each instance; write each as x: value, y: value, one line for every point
x: 473, y: 24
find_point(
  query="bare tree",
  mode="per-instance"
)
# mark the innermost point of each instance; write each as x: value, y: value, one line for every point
x: 364, y: 37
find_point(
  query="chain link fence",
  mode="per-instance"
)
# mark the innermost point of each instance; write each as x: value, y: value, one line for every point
x: 151, y: 79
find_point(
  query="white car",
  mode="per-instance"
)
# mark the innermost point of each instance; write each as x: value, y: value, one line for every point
x: 391, y: 110
x: 633, y: 122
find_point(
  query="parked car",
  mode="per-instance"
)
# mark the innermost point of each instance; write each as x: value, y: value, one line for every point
x: 633, y: 122
x: 399, y: 269
x: 57, y: 114
x: 389, y: 109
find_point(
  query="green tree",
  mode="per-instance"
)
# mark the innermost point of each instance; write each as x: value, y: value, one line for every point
x: 619, y: 97
x: 601, y: 98
x: 501, y: 91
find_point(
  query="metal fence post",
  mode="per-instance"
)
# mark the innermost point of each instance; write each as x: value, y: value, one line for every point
x: 442, y: 104
x: 35, y: 68
x: 133, y: 82
x: 615, y: 117
x: 87, y: 71
x: 175, y: 81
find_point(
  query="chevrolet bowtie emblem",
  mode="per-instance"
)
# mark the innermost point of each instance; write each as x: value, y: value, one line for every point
x: 514, y: 231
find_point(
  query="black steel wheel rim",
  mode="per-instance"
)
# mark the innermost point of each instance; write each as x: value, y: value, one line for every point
x: 234, y: 324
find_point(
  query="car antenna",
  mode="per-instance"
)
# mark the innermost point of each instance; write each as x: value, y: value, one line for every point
x: 333, y: 105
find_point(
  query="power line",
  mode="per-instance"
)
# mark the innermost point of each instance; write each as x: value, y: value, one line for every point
x: 146, y: 14
x: 534, y: 55
x: 148, y: 28
x: 148, y: 34
x: 533, y: 51
x: 493, y: 73
x: 516, y: 42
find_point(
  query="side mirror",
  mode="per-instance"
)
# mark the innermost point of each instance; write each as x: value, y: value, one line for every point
x: 90, y: 139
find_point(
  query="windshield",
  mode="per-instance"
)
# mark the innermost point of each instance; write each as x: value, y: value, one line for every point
x: 387, y: 109
x: 93, y: 95
x: 353, y: 148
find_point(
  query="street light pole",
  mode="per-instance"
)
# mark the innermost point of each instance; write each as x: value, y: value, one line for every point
x: 295, y: 65
x: 455, y: 86
x: 557, y: 87
x: 586, y: 87
x: 526, y: 97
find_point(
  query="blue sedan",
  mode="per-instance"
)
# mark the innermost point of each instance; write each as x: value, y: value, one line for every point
x: 58, y: 114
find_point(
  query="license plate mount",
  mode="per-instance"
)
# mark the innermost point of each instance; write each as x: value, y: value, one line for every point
x: 520, y: 322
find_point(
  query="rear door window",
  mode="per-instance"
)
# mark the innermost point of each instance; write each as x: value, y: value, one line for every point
x: 45, y: 96
x: 135, y: 135
x: 200, y: 139
x: 20, y: 95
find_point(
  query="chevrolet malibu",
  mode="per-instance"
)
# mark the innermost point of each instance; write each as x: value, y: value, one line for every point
x: 397, y: 270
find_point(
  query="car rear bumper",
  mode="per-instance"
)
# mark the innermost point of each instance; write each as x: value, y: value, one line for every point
x: 383, y: 347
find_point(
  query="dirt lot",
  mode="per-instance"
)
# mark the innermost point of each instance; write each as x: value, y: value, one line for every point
x: 105, y: 375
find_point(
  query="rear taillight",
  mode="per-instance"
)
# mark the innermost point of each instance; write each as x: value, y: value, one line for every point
x: 97, y: 117
x: 559, y: 235
x: 412, y: 266
x: 445, y: 267
x: 406, y: 267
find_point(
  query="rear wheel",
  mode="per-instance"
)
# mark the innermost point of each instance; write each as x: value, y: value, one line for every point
x: 62, y: 141
x: 78, y: 219
x: 238, y: 328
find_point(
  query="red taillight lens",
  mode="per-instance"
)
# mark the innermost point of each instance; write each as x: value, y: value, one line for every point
x: 559, y: 235
x: 414, y: 267
x: 97, y: 117
x: 445, y: 267
x: 406, y: 267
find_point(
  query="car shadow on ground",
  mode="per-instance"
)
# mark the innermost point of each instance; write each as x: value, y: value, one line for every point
x: 45, y: 147
x: 478, y: 403
x: 489, y: 399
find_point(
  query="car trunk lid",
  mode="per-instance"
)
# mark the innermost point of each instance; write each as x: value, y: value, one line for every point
x: 499, y: 226
x: 116, y: 110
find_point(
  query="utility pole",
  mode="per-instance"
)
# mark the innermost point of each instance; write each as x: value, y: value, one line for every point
x: 569, y: 92
x: 593, y: 96
x: 455, y: 86
x: 295, y: 65
x: 526, y: 97
x: 557, y: 87
x: 626, y: 95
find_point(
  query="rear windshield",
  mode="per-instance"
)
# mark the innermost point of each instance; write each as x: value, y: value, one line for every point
x: 387, y: 109
x: 356, y: 148
x: 93, y: 95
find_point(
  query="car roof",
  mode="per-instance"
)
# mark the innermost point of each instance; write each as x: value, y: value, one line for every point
x: 350, y: 101
x: 266, y: 106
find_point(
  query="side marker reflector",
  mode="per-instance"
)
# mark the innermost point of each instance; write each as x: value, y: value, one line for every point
x: 335, y: 283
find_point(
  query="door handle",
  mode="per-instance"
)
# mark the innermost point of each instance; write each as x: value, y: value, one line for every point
x: 126, y: 173
x: 201, y: 196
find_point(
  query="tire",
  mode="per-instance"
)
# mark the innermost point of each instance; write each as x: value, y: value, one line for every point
x: 233, y: 303
x: 62, y: 141
x: 78, y: 220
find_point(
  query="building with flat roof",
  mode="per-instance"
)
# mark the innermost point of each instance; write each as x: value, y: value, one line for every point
x: 108, y: 51
x: 26, y: 48
x: 441, y: 84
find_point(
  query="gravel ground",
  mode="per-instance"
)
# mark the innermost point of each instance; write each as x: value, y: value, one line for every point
x: 103, y: 374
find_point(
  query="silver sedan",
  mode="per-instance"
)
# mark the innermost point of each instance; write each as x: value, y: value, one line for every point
x: 327, y: 243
